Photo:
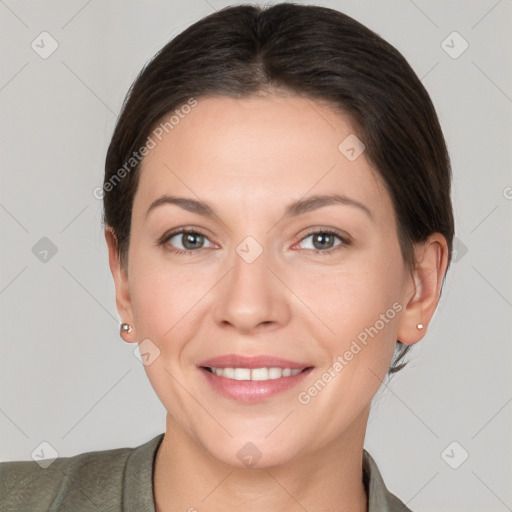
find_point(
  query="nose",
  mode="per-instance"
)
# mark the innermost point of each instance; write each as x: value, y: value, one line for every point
x: 251, y: 297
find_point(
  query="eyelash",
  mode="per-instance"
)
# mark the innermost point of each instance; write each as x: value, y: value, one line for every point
x: 345, y: 241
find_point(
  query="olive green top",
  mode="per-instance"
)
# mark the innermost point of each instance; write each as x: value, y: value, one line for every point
x: 120, y: 480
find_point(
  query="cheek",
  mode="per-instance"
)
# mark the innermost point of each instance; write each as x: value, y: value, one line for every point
x: 352, y: 299
x: 162, y: 299
x: 362, y: 309
x: 168, y: 303
x: 357, y: 311
x: 152, y: 302
x: 357, y: 335
x: 165, y: 306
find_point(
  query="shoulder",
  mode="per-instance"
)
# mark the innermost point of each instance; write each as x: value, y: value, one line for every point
x: 88, y: 481
x: 379, y: 498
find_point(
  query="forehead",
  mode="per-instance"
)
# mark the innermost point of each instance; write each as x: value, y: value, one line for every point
x: 255, y: 149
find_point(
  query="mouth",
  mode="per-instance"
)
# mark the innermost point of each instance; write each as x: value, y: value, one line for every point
x: 252, y: 379
x: 254, y: 374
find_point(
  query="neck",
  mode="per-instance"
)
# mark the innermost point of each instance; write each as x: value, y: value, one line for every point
x: 188, y: 478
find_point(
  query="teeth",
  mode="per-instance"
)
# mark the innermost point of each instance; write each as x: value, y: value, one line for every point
x: 275, y: 373
x: 259, y: 374
x: 227, y: 372
x: 241, y: 374
x: 254, y: 373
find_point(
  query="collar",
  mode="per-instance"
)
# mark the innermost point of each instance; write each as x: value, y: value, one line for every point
x: 138, y: 477
x: 379, y: 498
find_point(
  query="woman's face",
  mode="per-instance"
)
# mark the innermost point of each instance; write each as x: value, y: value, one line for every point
x: 321, y: 287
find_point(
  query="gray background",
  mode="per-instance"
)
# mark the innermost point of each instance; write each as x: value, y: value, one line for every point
x: 66, y: 376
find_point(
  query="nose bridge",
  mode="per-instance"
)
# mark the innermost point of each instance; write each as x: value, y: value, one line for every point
x: 250, y: 263
x: 251, y: 295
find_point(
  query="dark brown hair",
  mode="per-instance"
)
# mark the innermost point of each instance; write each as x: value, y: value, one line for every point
x: 314, y: 52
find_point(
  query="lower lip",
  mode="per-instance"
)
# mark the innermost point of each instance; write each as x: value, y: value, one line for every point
x: 252, y: 390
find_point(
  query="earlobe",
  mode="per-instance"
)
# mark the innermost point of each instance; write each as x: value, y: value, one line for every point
x: 423, y: 289
x: 122, y: 290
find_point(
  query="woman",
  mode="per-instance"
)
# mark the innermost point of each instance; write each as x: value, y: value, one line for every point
x: 279, y: 226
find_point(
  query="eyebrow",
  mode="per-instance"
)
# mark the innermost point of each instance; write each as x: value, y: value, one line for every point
x: 292, y: 210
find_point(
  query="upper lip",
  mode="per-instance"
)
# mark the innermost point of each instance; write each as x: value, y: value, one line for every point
x: 262, y: 361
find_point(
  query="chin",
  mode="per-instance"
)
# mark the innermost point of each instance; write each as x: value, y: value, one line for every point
x: 251, y: 452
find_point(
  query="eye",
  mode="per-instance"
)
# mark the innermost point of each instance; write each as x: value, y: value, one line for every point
x: 323, y: 241
x: 190, y: 241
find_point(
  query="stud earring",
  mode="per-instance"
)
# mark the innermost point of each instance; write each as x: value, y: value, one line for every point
x: 419, y: 326
x: 126, y: 328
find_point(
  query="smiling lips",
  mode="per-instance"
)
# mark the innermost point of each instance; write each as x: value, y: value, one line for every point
x: 260, y: 374
x: 252, y: 379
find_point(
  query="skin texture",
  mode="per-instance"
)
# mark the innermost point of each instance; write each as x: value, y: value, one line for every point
x: 248, y: 159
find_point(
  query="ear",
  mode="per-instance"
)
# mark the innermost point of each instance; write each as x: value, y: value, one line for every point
x: 120, y: 275
x: 423, y: 288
